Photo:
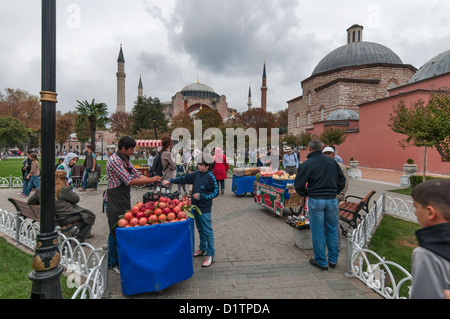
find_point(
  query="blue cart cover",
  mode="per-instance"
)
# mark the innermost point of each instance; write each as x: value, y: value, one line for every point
x: 153, y: 257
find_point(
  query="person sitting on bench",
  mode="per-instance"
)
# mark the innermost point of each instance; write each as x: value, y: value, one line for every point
x: 66, y: 205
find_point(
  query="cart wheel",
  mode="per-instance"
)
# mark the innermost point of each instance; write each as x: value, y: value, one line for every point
x: 140, y: 186
x: 243, y: 194
x: 295, y: 210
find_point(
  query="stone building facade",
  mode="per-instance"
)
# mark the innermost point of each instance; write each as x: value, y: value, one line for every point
x: 348, y: 76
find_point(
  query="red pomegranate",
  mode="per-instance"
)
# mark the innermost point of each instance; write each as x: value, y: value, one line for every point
x: 142, y: 221
x: 151, y: 205
x: 128, y: 215
x: 122, y: 222
x: 171, y: 216
x: 134, y: 221
x: 134, y: 209
x: 158, y: 211
x: 162, y: 218
x: 152, y: 218
x: 139, y: 214
x: 170, y: 204
x: 164, y: 199
x: 176, y: 210
x: 176, y: 201
x: 182, y: 214
x: 162, y: 205
x: 166, y: 210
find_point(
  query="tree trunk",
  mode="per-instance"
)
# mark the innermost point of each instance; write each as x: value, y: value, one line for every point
x: 424, y: 164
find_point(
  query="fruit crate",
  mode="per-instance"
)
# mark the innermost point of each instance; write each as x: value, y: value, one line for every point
x: 154, y: 257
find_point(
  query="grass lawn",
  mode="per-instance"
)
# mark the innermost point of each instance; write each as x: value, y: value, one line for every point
x: 395, y: 240
x: 403, y: 191
x: 15, y: 266
x: 13, y: 166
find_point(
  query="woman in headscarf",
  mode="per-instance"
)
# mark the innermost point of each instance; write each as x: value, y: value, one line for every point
x: 221, y: 168
x: 67, y: 165
x: 66, y: 204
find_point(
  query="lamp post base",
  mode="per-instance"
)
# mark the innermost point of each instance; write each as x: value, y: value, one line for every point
x: 46, y: 284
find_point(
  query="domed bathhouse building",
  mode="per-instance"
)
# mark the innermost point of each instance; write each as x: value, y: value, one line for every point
x: 355, y: 87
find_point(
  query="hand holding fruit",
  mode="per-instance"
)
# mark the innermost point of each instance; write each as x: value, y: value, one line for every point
x: 166, y: 182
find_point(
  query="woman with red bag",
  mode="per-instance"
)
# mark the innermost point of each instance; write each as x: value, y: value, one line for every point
x: 221, y: 168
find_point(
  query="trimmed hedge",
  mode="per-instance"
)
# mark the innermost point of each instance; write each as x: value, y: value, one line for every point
x: 417, y: 179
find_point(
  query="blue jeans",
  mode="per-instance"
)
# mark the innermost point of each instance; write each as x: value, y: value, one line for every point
x: 34, y: 181
x: 25, y: 185
x: 205, y: 231
x: 323, y: 223
x: 85, y: 178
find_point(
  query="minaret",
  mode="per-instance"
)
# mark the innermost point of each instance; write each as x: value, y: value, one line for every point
x: 249, y: 103
x: 120, y: 82
x: 264, y: 89
x: 140, y: 88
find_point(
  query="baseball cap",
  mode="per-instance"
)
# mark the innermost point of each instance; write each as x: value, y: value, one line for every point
x: 328, y: 149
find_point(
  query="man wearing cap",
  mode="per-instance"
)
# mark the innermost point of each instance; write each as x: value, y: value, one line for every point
x: 290, y: 161
x: 329, y: 151
x: 321, y: 180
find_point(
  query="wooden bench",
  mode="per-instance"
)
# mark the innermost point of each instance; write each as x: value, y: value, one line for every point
x: 69, y: 224
x: 349, y: 212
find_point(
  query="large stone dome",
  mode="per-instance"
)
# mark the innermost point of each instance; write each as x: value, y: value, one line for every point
x: 440, y: 64
x: 199, y: 90
x: 357, y: 53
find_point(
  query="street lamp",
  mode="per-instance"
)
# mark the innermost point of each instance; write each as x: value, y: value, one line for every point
x: 46, y: 261
x: 101, y: 136
x: 154, y: 125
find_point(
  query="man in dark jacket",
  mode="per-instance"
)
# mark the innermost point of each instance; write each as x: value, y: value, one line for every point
x: 320, y: 179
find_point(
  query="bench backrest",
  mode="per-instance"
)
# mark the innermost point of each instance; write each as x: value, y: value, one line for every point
x: 30, y: 211
x: 366, y: 199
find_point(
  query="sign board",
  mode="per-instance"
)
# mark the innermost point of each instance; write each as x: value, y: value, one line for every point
x: 270, y: 197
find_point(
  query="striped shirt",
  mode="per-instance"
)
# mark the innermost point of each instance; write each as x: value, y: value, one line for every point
x: 117, y: 173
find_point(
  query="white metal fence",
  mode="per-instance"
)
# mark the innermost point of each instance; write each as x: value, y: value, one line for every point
x: 86, y: 266
x: 366, y: 265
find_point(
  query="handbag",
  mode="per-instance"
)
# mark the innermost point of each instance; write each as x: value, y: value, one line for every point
x: 92, y: 178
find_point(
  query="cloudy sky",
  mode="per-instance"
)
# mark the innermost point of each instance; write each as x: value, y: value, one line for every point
x: 223, y: 43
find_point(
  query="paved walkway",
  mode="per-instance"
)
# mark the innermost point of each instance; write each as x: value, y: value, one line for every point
x: 255, y: 254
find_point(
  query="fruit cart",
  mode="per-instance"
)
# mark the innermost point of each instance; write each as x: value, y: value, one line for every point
x: 155, y: 244
x: 275, y: 193
x: 243, y: 180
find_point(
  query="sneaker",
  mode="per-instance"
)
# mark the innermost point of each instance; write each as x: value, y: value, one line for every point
x: 208, y: 261
x: 222, y: 192
x: 83, y: 190
x: 22, y: 195
x: 93, y: 189
x: 115, y: 269
x: 199, y: 253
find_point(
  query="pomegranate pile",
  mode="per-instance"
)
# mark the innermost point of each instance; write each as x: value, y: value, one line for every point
x: 162, y: 211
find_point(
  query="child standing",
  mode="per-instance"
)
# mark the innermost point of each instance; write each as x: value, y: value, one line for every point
x: 204, y: 189
x: 431, y: 260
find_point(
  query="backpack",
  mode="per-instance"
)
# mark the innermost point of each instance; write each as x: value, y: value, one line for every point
x: 157, y: 168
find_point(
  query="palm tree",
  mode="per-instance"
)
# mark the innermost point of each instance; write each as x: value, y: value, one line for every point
x: 94, y: 114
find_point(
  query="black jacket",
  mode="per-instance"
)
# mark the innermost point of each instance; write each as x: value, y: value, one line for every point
x: 319, y: 177
x: 203, y: 183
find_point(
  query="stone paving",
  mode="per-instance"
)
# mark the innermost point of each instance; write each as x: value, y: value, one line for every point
x: 255, y: 254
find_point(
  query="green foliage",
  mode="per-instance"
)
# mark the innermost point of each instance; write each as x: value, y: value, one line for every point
x: 93, y: 115
x: 12, y: 132
x: 424, y: 125
x: 415, y: 179
x: 333, y: 136
x: 145, y: 110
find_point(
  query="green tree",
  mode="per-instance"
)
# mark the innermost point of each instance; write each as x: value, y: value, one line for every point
x: 94, y: 114
x: 424, y: 125
x: 145, y: 111
x: 12, y: 132
x: 333, y: 136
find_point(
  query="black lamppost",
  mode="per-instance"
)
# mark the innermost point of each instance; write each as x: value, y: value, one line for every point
x: 46, y: 260
x: 154, y: 125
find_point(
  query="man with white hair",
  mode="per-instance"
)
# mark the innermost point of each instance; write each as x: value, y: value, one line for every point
x: 329, y: 151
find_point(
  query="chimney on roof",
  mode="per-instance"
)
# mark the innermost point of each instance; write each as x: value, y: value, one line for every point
x: 354, y: 33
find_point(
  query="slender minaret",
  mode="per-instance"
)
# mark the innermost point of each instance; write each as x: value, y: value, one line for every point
x: 120, y: 82
x: 140, y: 88
x: 249, y: 103
x: 264, y: 89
